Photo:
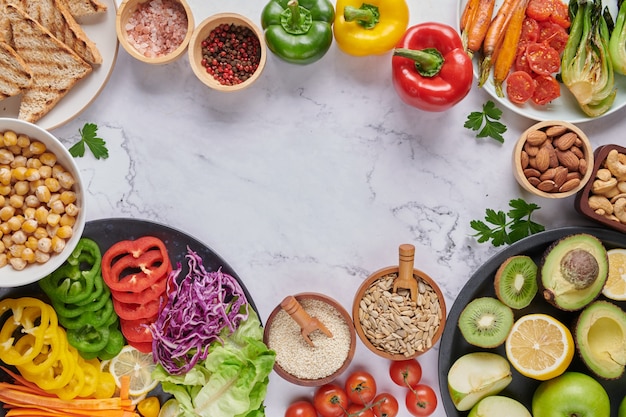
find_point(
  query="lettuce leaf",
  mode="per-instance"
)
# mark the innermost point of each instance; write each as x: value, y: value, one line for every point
x: 231, y: 382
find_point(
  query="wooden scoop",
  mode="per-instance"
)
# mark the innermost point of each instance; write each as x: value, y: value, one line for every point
x: 405, y: 278
x: 307, y: 323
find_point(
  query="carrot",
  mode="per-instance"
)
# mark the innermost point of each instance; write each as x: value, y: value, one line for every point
x: 467, y: 17
x: 477, y: 28
x: 506, y: 53
x: 494, y: 36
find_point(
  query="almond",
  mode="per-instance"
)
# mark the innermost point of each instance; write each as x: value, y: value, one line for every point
x: 582, y: 166
x: 565, y: 141
x: 556, y: 130
x: 530, y: 149
x: 560, y: 176
x: 548, y: 174
x: 531, y: 172
x: 542, y: 159
x: 547, y: 186
x: 568, y: 159
x: 536, y: 137
x: 569, y: 185
x: 524, y: 159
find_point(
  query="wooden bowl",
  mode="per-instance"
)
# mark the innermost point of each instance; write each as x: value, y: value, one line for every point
x: 124, y: 13
x: 298, y: 344
x: 548, y: 169
x: 601, y: 187
x: 202, y: 32
x: 377, y: 330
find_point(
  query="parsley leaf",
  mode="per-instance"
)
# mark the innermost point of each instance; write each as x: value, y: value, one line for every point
x: 486, y: 122
x: 88, y: 136
x: 501, y: 231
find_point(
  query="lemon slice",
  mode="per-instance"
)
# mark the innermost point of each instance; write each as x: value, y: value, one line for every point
x: 615, y: 286
x: 539, y: 346
x: 138, y: 366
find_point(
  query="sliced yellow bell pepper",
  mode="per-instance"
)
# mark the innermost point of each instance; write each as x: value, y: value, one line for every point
x: 372, y: 27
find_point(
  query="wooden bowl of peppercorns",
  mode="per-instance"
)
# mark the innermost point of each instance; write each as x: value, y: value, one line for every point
x: 227, y: 52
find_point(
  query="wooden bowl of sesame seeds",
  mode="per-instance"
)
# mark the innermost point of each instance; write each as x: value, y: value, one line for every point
x: 327, y: 358
x: 397, y: 322
x: 154, y: 31
x: 227, y: 52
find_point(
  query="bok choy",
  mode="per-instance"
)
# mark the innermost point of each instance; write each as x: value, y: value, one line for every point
x: 617, y: 43
x: 587, y: 70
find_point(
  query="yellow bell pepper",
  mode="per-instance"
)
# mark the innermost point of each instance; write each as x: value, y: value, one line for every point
x: 369, y: 28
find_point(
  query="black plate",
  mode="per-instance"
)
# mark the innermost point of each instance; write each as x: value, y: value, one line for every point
x: 453, y: 345
x: 106, y: 232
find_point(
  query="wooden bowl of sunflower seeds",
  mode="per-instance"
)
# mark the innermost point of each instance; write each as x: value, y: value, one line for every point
x: 394, y: 321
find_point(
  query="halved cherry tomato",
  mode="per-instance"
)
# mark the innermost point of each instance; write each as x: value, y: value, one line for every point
x: 560, y: 15
x: 543, y: 59
x: 520, y: 87
x: 521, y: 62
x: 546, y: 89
x: 360, y: 387
x: 301, y: 408
x: 540, y: 9
x: 530, y: 30
x: 406, y: 373
x: 421, y: 401
x: 359, y: 410
x: 553, y: 35
x: 330, y: 400
x: 385, y: 405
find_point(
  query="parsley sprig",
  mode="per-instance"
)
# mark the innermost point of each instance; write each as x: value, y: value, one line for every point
x: 518, y: 226
x: 88, y: 136
x: 486, y: 122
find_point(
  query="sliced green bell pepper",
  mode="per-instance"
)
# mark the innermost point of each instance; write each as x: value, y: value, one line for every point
x: 96, y: 318
x: 298, y: 31
x: 74, y: 281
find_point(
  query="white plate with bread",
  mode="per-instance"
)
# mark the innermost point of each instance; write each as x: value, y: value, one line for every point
x: 55, y: 57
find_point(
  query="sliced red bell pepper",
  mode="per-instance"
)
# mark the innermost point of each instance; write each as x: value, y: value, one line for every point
x: 134, y: 265
x: 132, y: 311
x: 137, y: 330
x: 153, y: 292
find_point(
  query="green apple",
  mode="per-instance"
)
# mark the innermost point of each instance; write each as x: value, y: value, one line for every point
x: 571, y: 394
x: 476, y: 375
x: 498, y: 406
x: 621, y: 411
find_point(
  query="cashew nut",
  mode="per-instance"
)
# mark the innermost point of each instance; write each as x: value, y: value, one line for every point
x: 617, y: 197
x: 604, y: 174
x: 621, y: 186
x: 599, y: 202
x: 616, y: 165
x: 619, y: 210
x: 601, y: 187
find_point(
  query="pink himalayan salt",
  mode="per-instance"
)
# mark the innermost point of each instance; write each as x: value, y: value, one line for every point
x: 157, y: 27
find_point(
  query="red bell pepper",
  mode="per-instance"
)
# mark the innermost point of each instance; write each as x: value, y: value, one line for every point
x: 430, y: 69
x: 134, y: 265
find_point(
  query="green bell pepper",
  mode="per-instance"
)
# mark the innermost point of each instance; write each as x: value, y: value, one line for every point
x: 73, y: 282
x: 298, y: 31
x: 88, y: 339
x: 95, y: 303
x: 96, y: 318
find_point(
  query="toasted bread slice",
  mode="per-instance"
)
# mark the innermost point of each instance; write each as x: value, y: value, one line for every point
x: 15, y: 74
x: 55, y: 16
x: 55, y: 67
x: 81, y: 8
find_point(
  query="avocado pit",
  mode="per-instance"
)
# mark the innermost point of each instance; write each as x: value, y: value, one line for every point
x: 580, y: 268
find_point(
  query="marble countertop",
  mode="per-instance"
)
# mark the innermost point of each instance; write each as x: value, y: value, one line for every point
x: 310, y: 179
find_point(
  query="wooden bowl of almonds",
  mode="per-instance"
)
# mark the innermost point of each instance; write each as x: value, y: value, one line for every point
x: 399, y: 312
x: 553, y: 159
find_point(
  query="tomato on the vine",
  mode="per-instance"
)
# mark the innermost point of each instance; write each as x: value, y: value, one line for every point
x: 301, y: 408
x: 407, y: 373
x: 359, y: 410
x: 421, y: 400
x: 360, y: 387
x: 385, y: 405
x: 330, y: 400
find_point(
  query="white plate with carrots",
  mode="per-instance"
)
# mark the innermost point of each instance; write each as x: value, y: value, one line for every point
x: 563, y: 108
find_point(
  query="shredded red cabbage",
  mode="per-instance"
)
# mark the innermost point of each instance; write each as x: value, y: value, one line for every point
x: 198, y: 308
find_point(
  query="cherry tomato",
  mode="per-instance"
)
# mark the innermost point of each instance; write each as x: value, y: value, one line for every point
x: 301, y: 408
x: 543, y: 59
x: 359, y: 410
x: 385, y: 405
x: 520, y: 87
x: 421, y: 401
x: 406, y: 373
x: 530, y: 31
x: 360, y: 387
x: 330, y: 400
x: 540, y: 9
x: 546, y: 89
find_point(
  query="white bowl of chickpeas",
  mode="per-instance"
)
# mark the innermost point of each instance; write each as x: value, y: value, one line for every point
x: 42, y: 206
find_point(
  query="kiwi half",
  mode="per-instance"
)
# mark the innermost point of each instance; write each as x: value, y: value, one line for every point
x: 486, y: 322
x: 516, y: 281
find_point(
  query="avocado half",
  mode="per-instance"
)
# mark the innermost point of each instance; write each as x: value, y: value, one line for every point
x: 573, y: 271
x: 600, y: 335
